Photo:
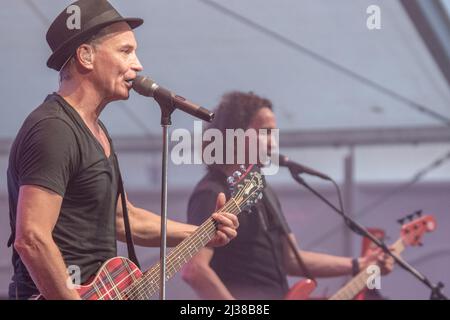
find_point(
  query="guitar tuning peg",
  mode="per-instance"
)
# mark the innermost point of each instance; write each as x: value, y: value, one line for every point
x: 230, y: 181
x: 260, y: 196
x: 418, y: 213
x: 411, y: 216
x: 401, y: 221
x: 237, y: 174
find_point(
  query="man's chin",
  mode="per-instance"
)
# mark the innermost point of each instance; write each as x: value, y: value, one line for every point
x: 122, y: 96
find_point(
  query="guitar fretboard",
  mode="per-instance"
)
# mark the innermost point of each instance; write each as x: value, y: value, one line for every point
x: 149, y: 283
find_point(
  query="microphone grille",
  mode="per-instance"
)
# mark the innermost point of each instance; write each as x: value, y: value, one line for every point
x: 143, y: 85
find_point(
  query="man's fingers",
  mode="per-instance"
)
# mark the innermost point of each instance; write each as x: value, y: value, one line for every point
x: 220, y: 201
x: 222, y: 237
x: 229, y: 232
x: 227, y: 219
x: 231, y: 217
x: 227, y: 225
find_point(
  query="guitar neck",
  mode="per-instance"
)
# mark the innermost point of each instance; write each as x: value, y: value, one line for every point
x: 359, y: 282
x: 149, y: 283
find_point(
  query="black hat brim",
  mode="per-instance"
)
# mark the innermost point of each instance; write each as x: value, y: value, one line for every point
x: 68, y: 47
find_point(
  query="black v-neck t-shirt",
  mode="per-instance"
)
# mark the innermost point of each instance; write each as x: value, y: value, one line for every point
x: 56, y: 150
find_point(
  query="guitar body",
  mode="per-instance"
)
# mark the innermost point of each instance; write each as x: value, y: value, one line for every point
x: 301, y: 290
x: 110, y: 282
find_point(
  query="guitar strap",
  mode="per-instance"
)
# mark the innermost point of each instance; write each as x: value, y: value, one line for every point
x: 270, y: 203
x: 126, y: 220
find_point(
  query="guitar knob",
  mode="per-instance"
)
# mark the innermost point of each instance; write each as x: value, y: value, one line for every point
x: 243, y: 168
x: 237, y: 174
x: 230, y: 181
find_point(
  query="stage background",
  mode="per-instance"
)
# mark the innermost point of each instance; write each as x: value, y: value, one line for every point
x: 373, y: 101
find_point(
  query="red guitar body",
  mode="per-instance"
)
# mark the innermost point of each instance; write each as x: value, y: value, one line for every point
x: 111, y: 281
x: 301, y: 290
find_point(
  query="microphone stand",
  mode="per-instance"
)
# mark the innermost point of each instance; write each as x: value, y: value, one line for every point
x: 166, y: 106
x: 436, y: 293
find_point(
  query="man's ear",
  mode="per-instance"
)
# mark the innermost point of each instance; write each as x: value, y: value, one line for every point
x: 85, y: 56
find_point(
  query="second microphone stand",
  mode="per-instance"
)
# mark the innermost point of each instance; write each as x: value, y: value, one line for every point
x: 436, y: 292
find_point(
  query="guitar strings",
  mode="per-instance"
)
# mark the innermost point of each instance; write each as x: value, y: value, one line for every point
x: 141, y: 288
x: 153, y: 276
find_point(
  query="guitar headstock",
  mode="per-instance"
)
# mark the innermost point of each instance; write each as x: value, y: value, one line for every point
x: 246, y: 186
x: 412, y: 232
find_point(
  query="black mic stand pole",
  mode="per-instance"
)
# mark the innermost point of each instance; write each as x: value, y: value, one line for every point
x: 359, y: 229
x: 166, y: 105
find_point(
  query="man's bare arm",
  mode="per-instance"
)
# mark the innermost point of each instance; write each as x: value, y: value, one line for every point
x: 319, y: 264
x: 203, y: 279
x: 37, y: 212
x: 146, y: 226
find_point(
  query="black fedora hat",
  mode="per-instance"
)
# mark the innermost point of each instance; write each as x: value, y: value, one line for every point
x: 64, y: 36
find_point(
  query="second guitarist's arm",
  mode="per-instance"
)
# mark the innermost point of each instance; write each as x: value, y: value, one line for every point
x: 203, y: 279
x: 319, y: 264
x: 326, y: 265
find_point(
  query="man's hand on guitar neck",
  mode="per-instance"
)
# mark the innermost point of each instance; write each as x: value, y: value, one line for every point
x: 228, y: 223
x: 378, y: 257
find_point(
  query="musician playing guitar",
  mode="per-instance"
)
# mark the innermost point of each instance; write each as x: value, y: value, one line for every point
x: 63, y: 174
x: 256, y: 264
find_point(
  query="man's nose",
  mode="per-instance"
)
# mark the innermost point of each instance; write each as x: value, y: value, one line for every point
x: 136, y: 65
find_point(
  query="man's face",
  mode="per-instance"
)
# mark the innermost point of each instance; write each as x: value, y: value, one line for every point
x: 115, y: 62
x: 264, y: 119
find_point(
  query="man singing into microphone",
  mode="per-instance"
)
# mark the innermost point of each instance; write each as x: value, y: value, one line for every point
x: 63, y: 174
x: 256, y: 264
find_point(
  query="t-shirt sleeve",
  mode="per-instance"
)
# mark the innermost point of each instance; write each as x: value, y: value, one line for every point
x: 201, y: 205
x: 48, y: 156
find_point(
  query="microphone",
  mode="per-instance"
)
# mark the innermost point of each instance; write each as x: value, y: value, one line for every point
x: 299, y: 168
x: 149, y: 88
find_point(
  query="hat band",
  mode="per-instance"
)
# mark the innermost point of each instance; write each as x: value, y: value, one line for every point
x: 104, y: 17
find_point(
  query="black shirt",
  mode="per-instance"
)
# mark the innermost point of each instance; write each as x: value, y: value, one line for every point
x: 251, y: 266
x: 56, y: 150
